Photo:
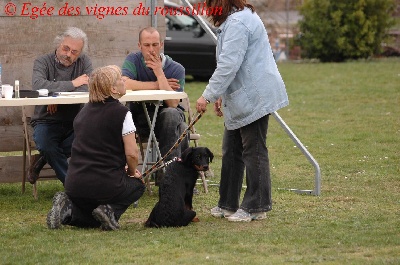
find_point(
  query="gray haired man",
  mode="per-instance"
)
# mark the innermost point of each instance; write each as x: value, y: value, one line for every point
x: 66, y: 69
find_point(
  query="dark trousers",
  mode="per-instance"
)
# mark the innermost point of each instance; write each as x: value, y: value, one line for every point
x: 82, y: 208
x: 170, y: 125
x: 245, y: 148
x: 54, y: 142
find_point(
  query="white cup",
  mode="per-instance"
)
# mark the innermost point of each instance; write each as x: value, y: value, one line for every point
x: 7, y: 91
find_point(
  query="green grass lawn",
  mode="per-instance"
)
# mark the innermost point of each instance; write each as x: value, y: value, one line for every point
x: 348, y: 117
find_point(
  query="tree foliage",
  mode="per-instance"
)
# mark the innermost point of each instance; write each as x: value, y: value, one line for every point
x: 337, y: 30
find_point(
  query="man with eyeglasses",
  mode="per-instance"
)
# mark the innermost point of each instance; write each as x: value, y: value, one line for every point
x: 66, y: 69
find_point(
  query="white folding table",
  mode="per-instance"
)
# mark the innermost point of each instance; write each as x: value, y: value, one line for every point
x: 154, y: 96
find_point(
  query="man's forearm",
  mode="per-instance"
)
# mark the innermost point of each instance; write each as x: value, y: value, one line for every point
x: 138, y: 85
x: 163, y: 84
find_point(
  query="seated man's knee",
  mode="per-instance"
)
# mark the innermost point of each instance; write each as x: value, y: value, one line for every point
x: 46, y: 148
x: 169, y: 112
x: 45, y: 145
x: 170, y: 116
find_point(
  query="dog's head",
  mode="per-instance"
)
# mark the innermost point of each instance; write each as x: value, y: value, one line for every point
x: 197, y: 157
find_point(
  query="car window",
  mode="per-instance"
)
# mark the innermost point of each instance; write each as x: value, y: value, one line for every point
x: 181, y: 22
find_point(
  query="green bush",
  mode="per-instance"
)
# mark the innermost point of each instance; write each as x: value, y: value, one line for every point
x: 337, y: 30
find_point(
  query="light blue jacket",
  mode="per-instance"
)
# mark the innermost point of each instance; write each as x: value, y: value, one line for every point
x: 246, y: 77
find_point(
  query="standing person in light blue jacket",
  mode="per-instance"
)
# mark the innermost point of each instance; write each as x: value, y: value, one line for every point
x: 246, y: 87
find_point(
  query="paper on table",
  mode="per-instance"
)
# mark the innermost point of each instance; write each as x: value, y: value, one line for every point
x: 70, y: 93
x: 43, y: 92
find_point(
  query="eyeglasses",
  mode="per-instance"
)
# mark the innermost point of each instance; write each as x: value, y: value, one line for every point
x: 66, y: 48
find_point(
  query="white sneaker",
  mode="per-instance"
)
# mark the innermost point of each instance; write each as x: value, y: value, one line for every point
x: 243, y: 216
x: 218, y: 212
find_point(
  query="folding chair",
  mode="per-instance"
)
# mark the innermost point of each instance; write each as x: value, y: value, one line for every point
x: 29, y: 151
x: 194, y: 136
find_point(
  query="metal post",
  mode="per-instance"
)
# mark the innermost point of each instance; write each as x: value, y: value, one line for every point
x: 152, y: 15
x: 317, y: 181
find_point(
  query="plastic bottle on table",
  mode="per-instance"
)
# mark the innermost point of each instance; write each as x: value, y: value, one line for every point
x: 16, y: 87
x: 1, y: 91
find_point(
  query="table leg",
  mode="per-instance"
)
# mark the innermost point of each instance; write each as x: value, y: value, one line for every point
x: 152, y: 136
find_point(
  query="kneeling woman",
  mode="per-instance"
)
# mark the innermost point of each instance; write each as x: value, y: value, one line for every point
x: 98, y: 187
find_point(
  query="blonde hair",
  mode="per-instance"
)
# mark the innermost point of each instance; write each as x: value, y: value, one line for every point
x: 101, y: 82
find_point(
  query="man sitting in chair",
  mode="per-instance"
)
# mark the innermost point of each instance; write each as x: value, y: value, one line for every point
x: 149, y: 69
x: 65, y: 69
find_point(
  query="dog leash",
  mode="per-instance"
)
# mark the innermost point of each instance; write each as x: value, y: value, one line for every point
x: 158, y: 165
x: 165, y: 164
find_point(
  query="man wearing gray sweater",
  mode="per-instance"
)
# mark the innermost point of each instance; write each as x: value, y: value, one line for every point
x: 65, y: 70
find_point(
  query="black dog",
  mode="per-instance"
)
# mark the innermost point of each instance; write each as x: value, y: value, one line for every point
x: 174, y: 207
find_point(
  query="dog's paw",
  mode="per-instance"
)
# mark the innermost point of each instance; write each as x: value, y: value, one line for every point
x: 195, y: 219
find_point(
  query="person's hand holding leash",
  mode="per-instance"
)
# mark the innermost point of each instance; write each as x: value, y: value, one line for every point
x: 201, y: 105
x: 137, y: 175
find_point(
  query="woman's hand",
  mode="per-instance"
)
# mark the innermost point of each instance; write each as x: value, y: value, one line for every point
x: 217, y: 108
x: 201, y: 105
x: 137, y: 175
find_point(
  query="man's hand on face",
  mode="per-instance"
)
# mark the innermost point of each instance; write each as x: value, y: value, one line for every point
x: 154, y: 62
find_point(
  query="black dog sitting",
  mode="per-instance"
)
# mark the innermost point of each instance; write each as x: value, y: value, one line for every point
x: 174, y: 207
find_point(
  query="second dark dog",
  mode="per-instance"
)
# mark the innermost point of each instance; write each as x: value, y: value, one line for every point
x: 174, y: 207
